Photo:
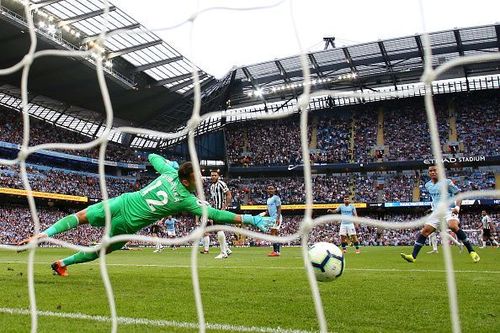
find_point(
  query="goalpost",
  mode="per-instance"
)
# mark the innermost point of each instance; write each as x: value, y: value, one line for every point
x: 196, y: 119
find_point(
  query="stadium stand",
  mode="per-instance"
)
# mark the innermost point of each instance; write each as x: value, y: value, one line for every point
x: 41, y: 132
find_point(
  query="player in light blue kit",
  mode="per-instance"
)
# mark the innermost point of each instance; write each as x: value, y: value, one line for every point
x: 274, y: 211
x: 432, y: 186
x: 347, y: 228
x: 170, y: 222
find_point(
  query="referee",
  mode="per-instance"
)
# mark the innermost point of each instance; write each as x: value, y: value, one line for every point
x: 220, y: 198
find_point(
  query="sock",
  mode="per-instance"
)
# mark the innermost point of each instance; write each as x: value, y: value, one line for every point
x: 64, y: 224
x: 484, y: 243
x: 463, y: 237
x: 344, y: 245
x: 206, y: 243
x: 433, y: 242
x: 278, y: 247
x: 356, y: 245
x: 418, y: 245
x: 275, y: 247
x: 495, y: 242
x: 221, y: 237
x: 79, y: 257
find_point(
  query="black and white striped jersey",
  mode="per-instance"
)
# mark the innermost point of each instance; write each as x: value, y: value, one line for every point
x: 218, y: 192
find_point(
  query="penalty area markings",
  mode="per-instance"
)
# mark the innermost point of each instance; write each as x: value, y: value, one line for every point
x: 152, y: 322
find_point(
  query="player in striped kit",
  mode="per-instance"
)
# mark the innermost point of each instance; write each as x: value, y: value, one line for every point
x: 347, y: 228
x: 169, y: 194
x: 451, y: 217
x: 220, y: 198
x: 488, y: 230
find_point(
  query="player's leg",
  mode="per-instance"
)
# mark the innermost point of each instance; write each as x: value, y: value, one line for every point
x: 484, y: 238
x: 354, y: 238
x: 95, y: 216
x: 343, y: 237
x: 433, y: 242
x: 64, y: 224
x: 426, y: 231
x: 453, y: 223
x: 221, y: 237
x: 492, y: 239
x: 158, y: 247
x: 276, y: 246
x: 60, y: 266
x: 206, y: 244
x: 171, y: 234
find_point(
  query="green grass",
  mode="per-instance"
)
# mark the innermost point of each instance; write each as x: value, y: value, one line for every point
x: 378, y: 292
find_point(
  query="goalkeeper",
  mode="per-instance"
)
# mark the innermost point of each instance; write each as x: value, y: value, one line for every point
x: 169, y: 194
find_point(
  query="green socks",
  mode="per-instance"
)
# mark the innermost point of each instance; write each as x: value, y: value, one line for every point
x: 64, y: 224
x: 80, y: 257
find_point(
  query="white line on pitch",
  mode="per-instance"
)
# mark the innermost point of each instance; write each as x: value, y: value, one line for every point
x: 268, y: 267
x: 153, y: 322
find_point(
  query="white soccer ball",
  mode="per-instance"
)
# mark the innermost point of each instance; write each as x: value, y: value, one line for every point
x: 327, y: 261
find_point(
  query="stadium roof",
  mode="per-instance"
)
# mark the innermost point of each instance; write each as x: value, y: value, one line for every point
x: 146, y: 76
x: 150, y: 83
x: 382, y: 63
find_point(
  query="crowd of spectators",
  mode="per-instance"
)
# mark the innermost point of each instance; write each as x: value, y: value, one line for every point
x: 16, y: 224
x: 365, y: 136
x: 265, y: 143
x: 478, y: 121
x: 371, y: 187
x: 65, y: 182
x: 11, y: 125
x: 333, y: 141
x: 405, y: 133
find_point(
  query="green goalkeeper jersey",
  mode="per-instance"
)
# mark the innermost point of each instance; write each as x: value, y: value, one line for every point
x: 165, y: 196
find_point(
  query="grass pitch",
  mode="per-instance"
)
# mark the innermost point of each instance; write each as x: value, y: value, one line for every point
x: 250, y: 292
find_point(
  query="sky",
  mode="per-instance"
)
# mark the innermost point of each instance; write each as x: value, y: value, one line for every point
x: 220, y: 39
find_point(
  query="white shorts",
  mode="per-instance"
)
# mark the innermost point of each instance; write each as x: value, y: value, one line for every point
x: 277, y: 225
x: 347, y: 229
x: 171, y: 233
x: 434, y: 221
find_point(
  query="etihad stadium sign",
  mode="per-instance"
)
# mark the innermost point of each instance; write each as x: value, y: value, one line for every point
x: 460, y: 159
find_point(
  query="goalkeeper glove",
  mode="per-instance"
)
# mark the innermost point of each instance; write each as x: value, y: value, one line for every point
x: 261, y: 222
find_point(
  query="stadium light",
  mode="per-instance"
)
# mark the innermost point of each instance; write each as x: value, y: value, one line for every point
x: 51, y: 29
x: 259, y: 92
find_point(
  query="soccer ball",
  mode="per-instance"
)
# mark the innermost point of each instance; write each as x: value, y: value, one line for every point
x: 327, y: 261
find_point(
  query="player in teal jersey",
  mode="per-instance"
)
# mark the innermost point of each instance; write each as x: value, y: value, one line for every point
x: 347, y: 228
x: 433, y: 187
x: 169, y: 194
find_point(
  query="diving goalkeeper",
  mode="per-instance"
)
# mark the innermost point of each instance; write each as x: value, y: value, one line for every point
x: 169, y: 194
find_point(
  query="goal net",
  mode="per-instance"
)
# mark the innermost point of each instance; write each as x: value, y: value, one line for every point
x: 301, y: 107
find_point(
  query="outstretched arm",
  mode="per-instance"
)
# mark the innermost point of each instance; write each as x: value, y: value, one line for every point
x: 222, y: 216
x: 161, y: 164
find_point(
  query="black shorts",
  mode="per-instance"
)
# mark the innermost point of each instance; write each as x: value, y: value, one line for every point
x: 155, y: 229
x: 487, y: 233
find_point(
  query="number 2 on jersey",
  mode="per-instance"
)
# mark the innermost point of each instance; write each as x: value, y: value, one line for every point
x: 161, y: 194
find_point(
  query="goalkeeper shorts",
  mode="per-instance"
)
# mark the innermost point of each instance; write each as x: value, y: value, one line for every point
x: 96, y: 216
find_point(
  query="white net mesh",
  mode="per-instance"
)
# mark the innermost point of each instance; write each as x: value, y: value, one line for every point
x: 196, y: 119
